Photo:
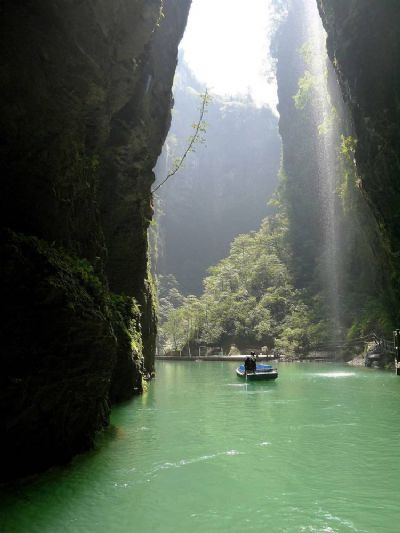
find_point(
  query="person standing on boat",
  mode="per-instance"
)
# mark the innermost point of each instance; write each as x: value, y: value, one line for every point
x: 248, y: 364
x: 253, y: 362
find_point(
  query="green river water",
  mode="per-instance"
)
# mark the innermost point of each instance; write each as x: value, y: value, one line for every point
x: 316, y: 451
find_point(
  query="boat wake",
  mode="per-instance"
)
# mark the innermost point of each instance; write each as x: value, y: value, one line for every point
x: 334, y: 374
x: 186, y: 462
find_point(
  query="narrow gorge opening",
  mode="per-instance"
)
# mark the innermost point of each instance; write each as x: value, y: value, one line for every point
x: 295, y: 172
x: 279, y: 235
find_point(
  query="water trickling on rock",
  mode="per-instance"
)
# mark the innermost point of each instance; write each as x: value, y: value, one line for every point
x: 325, y: 119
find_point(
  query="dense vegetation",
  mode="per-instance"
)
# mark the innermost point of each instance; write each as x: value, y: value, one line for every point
x: 248, y: 300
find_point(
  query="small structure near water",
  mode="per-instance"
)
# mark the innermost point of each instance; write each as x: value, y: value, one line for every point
x: 381, y: 352
x: 234, y: 350
x: 396, y: 344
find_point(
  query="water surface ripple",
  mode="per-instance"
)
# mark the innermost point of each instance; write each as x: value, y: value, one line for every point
x: 316, y: 451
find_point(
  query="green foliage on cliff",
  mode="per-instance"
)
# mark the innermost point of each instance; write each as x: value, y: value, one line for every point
x: 74, y: 276
x: 126, y: 313
x: 305, y: 91
x: 83, y: 290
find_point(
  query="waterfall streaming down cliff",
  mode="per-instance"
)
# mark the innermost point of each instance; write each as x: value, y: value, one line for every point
x: 324, y: 115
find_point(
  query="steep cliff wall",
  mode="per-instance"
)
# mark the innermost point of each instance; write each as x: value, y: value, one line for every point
x: 364, y: 45
x: 335, y: 241
x: 300, y: 181
x: 86, y: 97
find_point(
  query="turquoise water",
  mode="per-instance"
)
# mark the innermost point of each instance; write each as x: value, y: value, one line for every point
x: 316, y: 451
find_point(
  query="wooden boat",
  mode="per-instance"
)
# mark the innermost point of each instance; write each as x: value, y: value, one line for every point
x: 262, y: 373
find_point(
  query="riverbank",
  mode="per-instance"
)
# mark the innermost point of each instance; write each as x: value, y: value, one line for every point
x: 236, y: 358
x: 313, y: 357
x: 359, y: 360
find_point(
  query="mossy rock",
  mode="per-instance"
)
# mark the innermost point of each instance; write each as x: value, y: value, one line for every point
x: 61, y: 339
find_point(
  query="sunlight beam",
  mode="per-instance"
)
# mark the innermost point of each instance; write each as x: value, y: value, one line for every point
x: 226, y: 44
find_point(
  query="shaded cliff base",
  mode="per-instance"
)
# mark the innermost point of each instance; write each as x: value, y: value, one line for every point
x: 70, y: 349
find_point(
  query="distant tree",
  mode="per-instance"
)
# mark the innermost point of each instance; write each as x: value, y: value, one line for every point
x: 198, y: 136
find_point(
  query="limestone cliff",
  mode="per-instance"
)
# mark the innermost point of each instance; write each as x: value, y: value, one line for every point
x: 336, y: 244
x: 364, y: 45
x: 86, y: 97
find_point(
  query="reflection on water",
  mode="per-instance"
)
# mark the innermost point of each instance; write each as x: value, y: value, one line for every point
x: 201, y: 452
x: 334, y: 374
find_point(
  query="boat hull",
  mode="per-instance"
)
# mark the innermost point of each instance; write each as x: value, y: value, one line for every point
x: 259, y: 375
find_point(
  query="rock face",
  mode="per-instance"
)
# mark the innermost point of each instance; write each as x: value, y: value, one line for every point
x: 86, y: 97
x: 299, y: 146
x: 59, y: 351
x: 364, y: 44
x: 337, y: 250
